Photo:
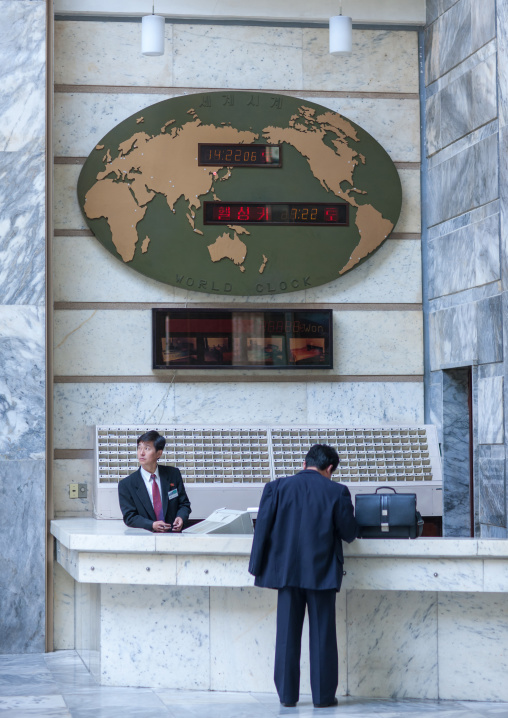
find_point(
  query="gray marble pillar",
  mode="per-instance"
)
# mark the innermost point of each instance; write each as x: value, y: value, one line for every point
x: 22, y: 325
x: 456, y: 464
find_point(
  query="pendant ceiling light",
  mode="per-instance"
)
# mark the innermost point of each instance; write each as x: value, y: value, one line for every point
x: 152, y: 34
x: 341, y: 34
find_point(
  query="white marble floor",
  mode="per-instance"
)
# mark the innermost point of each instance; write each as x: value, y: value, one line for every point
x: 57, y: 685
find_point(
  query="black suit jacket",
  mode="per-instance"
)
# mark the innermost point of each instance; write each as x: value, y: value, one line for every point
x: 301, y: 524
x: 136, y: 504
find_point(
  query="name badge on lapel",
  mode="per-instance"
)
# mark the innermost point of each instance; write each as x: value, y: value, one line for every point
x: 172, y: 494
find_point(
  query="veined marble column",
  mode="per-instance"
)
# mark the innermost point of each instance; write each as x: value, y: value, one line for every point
x: 22, y: 325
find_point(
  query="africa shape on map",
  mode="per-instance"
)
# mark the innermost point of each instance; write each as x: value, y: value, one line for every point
x: 149, y: 186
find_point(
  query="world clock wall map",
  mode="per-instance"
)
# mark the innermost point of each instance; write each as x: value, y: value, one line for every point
x: 307, y: 194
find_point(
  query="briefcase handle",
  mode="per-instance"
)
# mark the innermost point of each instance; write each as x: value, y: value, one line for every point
x: 385, y: 487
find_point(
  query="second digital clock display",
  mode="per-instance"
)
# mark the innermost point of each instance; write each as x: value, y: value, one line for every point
x: 300, y: 213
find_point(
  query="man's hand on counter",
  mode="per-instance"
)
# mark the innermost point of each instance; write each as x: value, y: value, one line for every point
x: 162, y: 527
x: 178, y: 524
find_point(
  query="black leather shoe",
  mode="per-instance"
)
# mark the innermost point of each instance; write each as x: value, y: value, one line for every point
x: 288, y: 705
x: 335, y: 702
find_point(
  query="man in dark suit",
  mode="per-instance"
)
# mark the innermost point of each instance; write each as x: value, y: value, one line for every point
x: 297, y: 549
x: 154, y: 497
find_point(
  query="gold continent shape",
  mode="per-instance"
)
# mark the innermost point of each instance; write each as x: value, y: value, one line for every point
x: 114, y: 201
x: 142, y: 170
x: 227, y: 247
x: 331, y: 168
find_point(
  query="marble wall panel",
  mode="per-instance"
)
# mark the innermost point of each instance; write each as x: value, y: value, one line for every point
x: 63, y: 609
x: 435, y: 390
x: 22, y: 382
x: 464, y: 258
x: 22, y: 559
x: 492, y: 492
x: 490, y: 330
x: 242, y: 639
x: 67, y: 213
x: 121, y: 341
x: 22, y: 86
x: 490, y: 410
x: 79, y: 407
x: 381, y: 61
x: 22, y: 229
x: 456, y: 110
x: 109, y: 53
x: 472, y: 646
x: 483, y: 22
x: 241, y: 405
x: 501, y: 20
x: 392, y: 644
x: 465, y: 104
x: 72, y: 471
x: 82, y: 119
x: 487, y: 258
x: 453, y: 337
x: 435, y: 8
x: 168, y: 651
x: 392, y: 343
x: 455, y: 453
x: 466, y: 180
x: 364, y: 404
x: 122, y: 568
x: 449, y: 40
x: 87, y: 626
x: 240, y: 57
x: 381, y: 574
x: 391, y: 275
x: 503, y: 195
x: 213, y: 571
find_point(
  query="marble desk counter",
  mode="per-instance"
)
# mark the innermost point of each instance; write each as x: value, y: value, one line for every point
x: 421, y: 619
x: 93, y: 551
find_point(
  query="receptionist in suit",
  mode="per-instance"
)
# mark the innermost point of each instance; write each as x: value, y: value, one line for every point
x: 297, y: 549
x: 154, y: 497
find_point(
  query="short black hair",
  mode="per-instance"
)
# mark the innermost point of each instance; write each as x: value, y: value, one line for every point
x: 321, y: 456
x: 154, y: 438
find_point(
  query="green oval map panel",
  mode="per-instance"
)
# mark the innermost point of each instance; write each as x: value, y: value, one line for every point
x: 306, y: 197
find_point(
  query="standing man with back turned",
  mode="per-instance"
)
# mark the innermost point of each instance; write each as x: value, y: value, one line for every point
x: 154, y: 497
x: 297, y: 549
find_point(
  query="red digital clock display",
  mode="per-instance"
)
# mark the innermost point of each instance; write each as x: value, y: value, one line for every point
x: 293, y: 213
x: 239, y: 155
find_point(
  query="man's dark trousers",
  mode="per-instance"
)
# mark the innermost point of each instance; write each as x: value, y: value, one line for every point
x: 324, y: 664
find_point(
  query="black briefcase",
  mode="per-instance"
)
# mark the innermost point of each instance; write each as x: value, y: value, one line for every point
x: 387, y: 515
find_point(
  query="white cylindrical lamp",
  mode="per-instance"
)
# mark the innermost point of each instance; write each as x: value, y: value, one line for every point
x: 152, y: 35
x: 341, y: 35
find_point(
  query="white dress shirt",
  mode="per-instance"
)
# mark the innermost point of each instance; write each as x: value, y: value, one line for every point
x: 148, y: 482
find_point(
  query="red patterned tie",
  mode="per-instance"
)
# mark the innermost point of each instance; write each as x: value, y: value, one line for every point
x: 156, y: 496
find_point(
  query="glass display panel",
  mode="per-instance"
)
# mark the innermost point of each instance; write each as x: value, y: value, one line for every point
x: 282, y: 213
x: 221, y: 155
x: 229, y: 339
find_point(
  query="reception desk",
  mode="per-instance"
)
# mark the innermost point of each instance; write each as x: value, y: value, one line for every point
x: 415, y: 619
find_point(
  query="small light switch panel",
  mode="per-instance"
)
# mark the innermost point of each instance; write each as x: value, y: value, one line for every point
x: 82, y: 491
x: 73, y: 491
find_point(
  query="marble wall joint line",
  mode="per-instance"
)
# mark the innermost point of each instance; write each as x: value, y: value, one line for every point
x: 129, y: 306
x: 219, y: 378
x: 149, y: 90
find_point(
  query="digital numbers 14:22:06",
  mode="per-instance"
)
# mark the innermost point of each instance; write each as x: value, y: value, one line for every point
x: 276, y: 213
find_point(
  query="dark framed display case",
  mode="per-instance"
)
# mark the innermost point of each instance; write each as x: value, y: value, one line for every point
x: 242, y: 339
